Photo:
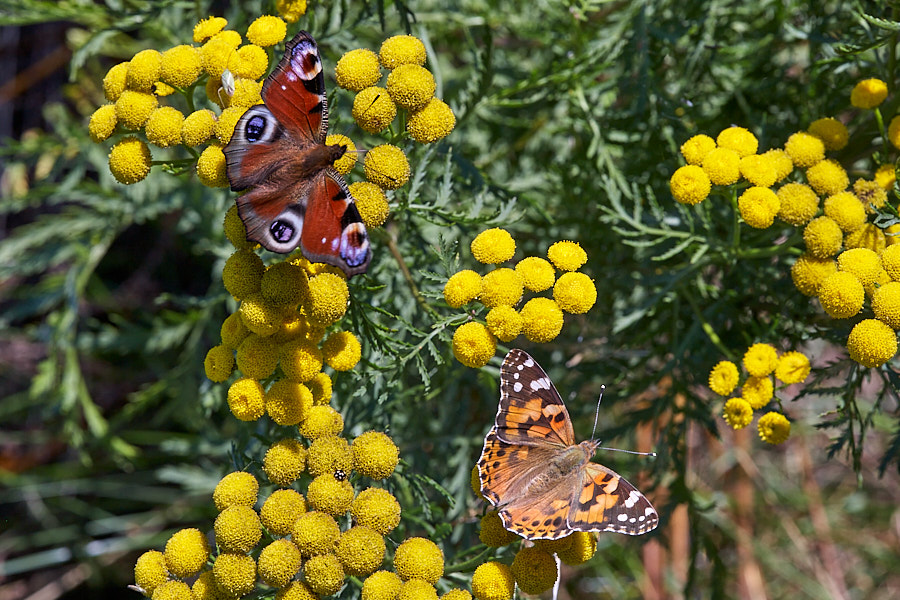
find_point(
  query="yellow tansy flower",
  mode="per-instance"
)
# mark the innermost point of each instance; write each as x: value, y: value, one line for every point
x: 322, y: 420
x: 832, y: 132
x: 246, y: 91
x: 315, y: 533
x: 374, y: 455
x: 885, y: 176
x: 537, y: 274
x: 723, y: 377
x: 722, y: 166
x: 582, y: 548
x: 492, y: 533
x: 381, y: 585
x: 172, y: 590
x: 462, y: 287
x: 284, y: 461
x: 774, y: 428
x: 357, y: 69
x: 163, y: 127
x: 260, y: 316
x: 504, y: 322
x: 760, y: 359
x: 134, y: 108
x: 886, y: 304
x: 114, y: 81
x: 501, y: 287
x: 211, y: 167
x: 207, y: 28
x: 870, y: 193
x: 345, y: 163
x: 373, y: 109
x: 846, y: 210
x: 695, y: 149
x: 534, y: 570
x: 808, y: 273
x: 419, y: 558
x: 780, y: 161
x: 301, y: 360
x: 862, y: 262
x: 737, y: 413
x: 291, y: 11
x: 890, y: 260
x: 219, y: 363
x: 793, y: 367
x: 376, y: 508
x: 180, y: 66
x: 493, y: 246
x: 328, y: 495
x: 235, y: 574
x: 758, y: 206
x: 805, y: 149
x: 143, y: 70
x: 432, y: 122
x: 868, y: 236
x: 284, y: 284
x: 872, y: 343
x: 288, y: 402
x: 237, y: 529
x: 798, y: 203
x: 410, y: 86
x: 266, y: 31
x: 371, y: 202
x: 129, y: 160
x: 566, y: 255
x: 227, y: 120
x: 386, y: 166
x: 150, y: 571
x: 360, y: 550
x: 823, y: 237
x: 868, y: 93
x: 198, y: 127
x: 474, y: 345
x: 575, y: 293
x: 243, y: 274
x: 280, y: 510
x: 246, y: 399
x: 690, y: 185
x: 493, y: 581
x: 759, y: 169
x: 758, y: 391
x: 827, y: 177
x: 328, y: 297
x: 186, y: 552
x: 542, y: 320
x: 401, y: 50
x: 278, y: 563
x: 236, y: 489
x: 341, y: 351
x: 103, y: 123
x: 738, y: 139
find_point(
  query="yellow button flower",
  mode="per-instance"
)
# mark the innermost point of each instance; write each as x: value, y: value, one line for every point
x: 723, y: 377
x: 492, y: 533
x: 695, y: 149
x: 344, y: 164
x: 832, y: 132
x: 246, y: 92
x: 103, y: 123
x: 760, y: 359
x: 371, y: 203
x: 211, y: 167
x: 143, y: 70
x: 798, y: 203
x: 872, y: 343
x: 341, y: 351
x: 322, y: 420
x: 737, y: 413
x: 827, y: 177
x: 219, y: 363
x: 758, y: 206
x: 566, y: 255
x: 377, y: 509
x: 301, y: 360
x: 870, y: 193
x: 288, y: 402
x: 233, y: 331
x: 862, y: 262
x: 163, y: 127
x: 890, y: 260
x: 690, y: 185
x: 401, y: 50
x: 886, y: 304
x: 493, y: 246
x: 462, y: 287
x: 129, y: 160
x: 315, y: 533
x: 224, y: 128
x: 207, y: 28
x: 759, y: 169
x: 186, y: 552
x: 738, y: 139
x: 868, y: 93
x: 410, y: 86
x: 419, y: 558
x: 259, y: 316
x: 542, y: 320
x: 357, y: 69
x: 172, y: 590
x: 793, y: 367
x: 504, y: 322
x: 242, y: 274
x: 758, y: 391
x: 373, y: 109
x: 774, y: 428
x: 432, y: 122
x: 474, y: 345
x: 805, y: 149
x: 266, y: 31
x: 204, y: 588
x: 868, y: 236
x: 236, y: 489
x: 501, y: 287
x: 291, y: 11
x: 329, y: 454
x: 493, y: 581
x: 537, y: 274
x: 360, y: 550
x: 328, y: 297
x: 417, y: 589
x: 214, y: 56
x: 284, y: 284
x: 296, y: 590
x: 582, y: 548
x: 780, y: 161
x: 381, y: 585
x: 846, y: 210
x: 823, y: 237
x: 328, y: 495
x: 237, y: 529
x: 386, y: 166
x: 321, y: 388
x: 245, y: 399
x: 808, y: 273
x: 235, y: 574
x: 180, y: 66
x: 150, y: 571
x: 534, y: 570
x: 284, y: 461
x: 722, y: 166
x: 885, y: 176
x: 114, y: 81
x: 280, y: 510
x: 842, y: 295
x: 575, y: 293
x: 198, y: 127
x: 374, y: 455
x: 278, y: 563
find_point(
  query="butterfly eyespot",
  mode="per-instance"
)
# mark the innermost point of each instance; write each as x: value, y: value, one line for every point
x: 256, y: 125
x: 282, y: 231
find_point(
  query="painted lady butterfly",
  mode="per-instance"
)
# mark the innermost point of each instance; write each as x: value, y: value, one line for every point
x: 543, y: 483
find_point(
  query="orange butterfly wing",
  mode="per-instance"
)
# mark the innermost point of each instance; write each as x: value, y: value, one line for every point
x: 605, y: 501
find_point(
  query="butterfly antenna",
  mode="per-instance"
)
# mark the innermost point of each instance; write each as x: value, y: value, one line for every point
x: 593, y: 431
x: 597, y: 413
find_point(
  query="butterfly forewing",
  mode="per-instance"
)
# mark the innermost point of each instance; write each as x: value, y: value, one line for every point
x: 531, y: 410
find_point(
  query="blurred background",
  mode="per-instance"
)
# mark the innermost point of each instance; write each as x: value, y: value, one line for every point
x: 569, y: 120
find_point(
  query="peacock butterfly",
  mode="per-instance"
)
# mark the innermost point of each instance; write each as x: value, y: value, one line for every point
x: 295, y: 197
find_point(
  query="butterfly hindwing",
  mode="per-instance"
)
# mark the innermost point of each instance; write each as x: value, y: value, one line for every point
x: 531, y: 410
x: 605, y: 501
x: 295, y: 91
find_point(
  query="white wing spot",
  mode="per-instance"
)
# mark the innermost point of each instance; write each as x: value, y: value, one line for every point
x: 622, y: 517
x: 649, y: 511
x: 517, y: 386
x: 632, y: 499
x: 520, y: 367
x: 540, y: 384
x: 641, y: 518
x: 528, y: 363
x: 632, y: 520
x: 515, y: 375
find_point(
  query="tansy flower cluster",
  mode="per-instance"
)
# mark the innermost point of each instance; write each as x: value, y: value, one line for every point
x: 534, y: 567
x: 761, y: 362
x: 540, y: 319
x: 152, y: 99
x: 844, y: 240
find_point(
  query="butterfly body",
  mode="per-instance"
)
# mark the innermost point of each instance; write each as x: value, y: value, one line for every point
x: 543, y: 483
x: 293, y: 195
